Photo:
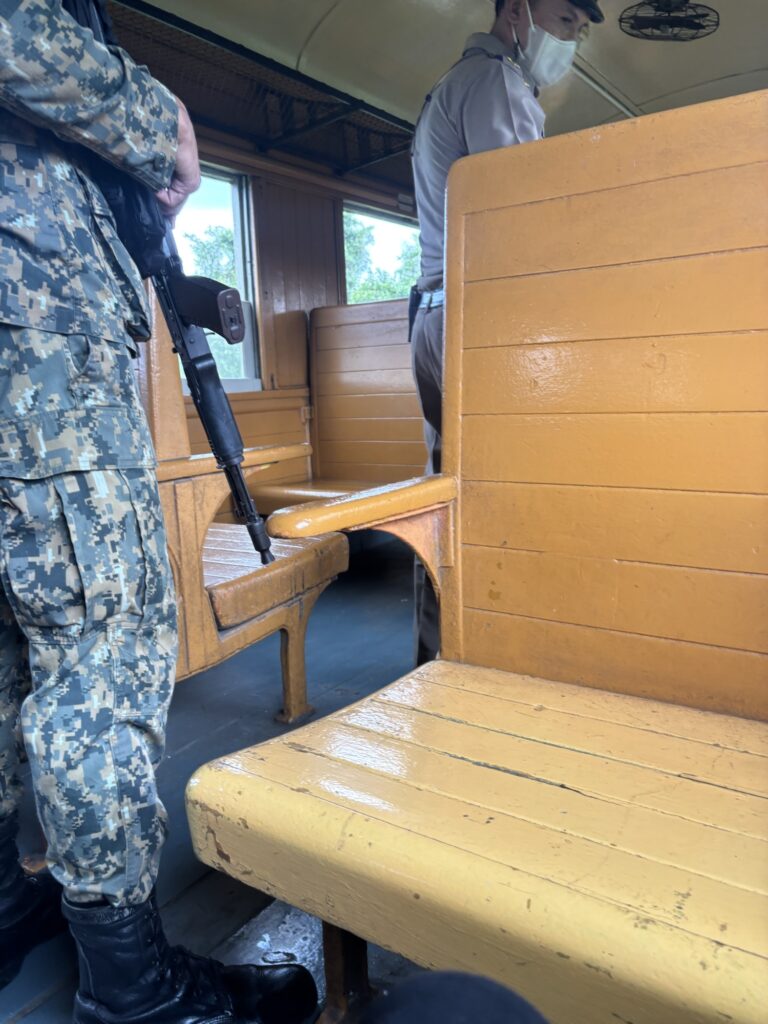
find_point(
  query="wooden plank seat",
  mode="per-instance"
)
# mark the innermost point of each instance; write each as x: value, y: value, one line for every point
x: 226, y: 599
x: 573, y: 844
x: 241, y: 588
x: 366, y: 425
x: 575, y: 799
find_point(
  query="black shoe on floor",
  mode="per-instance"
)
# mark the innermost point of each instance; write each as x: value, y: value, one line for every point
x: 129, y: 974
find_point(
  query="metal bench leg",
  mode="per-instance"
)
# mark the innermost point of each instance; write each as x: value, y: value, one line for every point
x: 346, y: 974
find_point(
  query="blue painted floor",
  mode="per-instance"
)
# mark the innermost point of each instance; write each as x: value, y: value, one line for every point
x: 359, y: 639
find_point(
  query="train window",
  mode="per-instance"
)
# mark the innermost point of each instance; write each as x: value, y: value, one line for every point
x: 381, y: 255
x: 213, y: 238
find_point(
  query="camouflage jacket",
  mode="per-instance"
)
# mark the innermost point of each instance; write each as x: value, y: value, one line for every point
x: 70, y: 298
x: 62, y: 267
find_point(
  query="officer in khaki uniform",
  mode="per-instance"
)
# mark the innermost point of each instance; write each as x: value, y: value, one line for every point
x: 87, y: 611
x: 487, y: 100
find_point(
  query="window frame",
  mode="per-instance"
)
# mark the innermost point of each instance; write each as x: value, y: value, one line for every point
x: 380, y: 213
x: 245, y: 266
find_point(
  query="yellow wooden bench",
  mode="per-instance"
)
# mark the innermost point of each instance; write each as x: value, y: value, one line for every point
x: 227, y: 599
x: 366, y: 425
x: 574, y: 800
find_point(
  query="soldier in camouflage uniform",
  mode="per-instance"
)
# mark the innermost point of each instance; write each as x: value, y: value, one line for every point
x: 87, y: 613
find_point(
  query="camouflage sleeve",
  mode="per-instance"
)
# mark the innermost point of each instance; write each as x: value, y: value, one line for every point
x: 54, y: 73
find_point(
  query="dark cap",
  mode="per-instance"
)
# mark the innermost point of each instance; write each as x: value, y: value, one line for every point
x: 592, y: 8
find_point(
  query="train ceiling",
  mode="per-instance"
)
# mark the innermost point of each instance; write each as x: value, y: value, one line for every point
x: 343, y: 80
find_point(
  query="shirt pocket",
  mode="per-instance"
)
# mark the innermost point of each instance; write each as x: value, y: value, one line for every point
x: 100, y: 373
x: 27, y: 210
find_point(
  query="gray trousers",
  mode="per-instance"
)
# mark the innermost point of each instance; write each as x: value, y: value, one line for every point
x: 427, y: 362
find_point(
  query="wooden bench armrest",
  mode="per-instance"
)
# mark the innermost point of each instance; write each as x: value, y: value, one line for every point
x: 203, y: 465
x: 364, y: 509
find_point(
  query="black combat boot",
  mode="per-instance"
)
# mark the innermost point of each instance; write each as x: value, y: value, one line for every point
x: 30, y: 907
x: 129, y: 974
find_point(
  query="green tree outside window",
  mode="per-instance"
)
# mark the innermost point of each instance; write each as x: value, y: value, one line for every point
x: 367, y: 282
x: 214, y: 256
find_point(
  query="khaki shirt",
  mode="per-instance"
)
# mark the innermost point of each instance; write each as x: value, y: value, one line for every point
x: 484, y: 102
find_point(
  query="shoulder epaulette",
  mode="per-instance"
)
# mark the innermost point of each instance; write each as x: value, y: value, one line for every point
x: 503, y: 58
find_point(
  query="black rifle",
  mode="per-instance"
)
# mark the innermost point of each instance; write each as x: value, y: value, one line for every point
x: 189, y: 304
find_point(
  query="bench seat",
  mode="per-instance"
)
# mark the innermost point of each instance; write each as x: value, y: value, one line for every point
x: 600, y: 520
x: 365, y: 421
x: 240, y: 588
x: 270, y: 497
x: 605, y: 855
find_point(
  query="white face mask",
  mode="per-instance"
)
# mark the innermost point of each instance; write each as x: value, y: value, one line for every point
x: 547, y: 57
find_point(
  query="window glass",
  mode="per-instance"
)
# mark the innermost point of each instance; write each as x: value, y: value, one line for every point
x: 381, y: 254
x: 211, y: 236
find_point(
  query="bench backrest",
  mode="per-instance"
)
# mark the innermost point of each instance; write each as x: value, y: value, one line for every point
x: 274, y: 417
x: 160, y: 387
x: 607, y: 386
x: 367, y: 419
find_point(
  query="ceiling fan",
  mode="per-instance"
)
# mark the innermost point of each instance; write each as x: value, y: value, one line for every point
x: 676, y: 21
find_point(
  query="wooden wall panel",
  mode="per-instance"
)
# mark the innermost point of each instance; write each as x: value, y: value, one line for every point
x: 363, y: 382
x: 346, y: 335
x: 351, y: 430
x: 717, y: 294
x: 291, y: 349
x: 625, y: 375
x: 264, y: 418
x: 380, y: 452
x: 300, y: 265
x: 611, y: 422
x: 363, y: 359
x: 698, y: 451
x: 682, y: 143
x: 367, y: 421
x: 371, y: 473
x: 721, y: 531
x: 662, y: 219
x: 726, y: 609
x: 698, y: 675
x: 157, y: 372
x: 354, y: 407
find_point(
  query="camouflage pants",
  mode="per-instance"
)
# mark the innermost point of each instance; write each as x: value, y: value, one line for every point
x: 87, y: 656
